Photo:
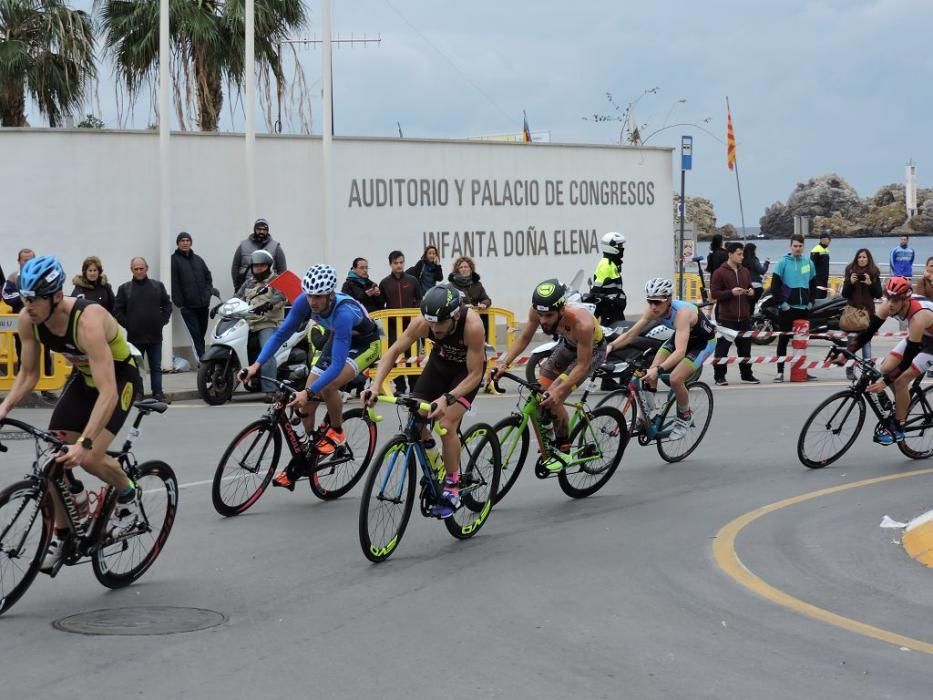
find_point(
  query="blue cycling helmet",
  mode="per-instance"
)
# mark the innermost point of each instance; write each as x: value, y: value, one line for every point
x: 41, y: 277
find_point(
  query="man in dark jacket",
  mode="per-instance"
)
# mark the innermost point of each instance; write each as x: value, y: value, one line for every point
x: 142, y: 308
x: 716, y: 257
x: 360, y: 287
x: 400, y: 291
x: 820, y: 257
x: 731, y: 287
x: 260, y: 240
x: 192, y: 286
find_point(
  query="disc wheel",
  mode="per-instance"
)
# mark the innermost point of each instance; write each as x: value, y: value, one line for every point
x: 831, y: 429
x: 480, y: 468
x: 120, y: 563
x: 331, y: 482
x: 600, y: 440
x: 25, y: 528
x: 918, y: 428
x: 388, y: 497
x: 246, y: 467
x: 701, y: 408
x: 513, y: 445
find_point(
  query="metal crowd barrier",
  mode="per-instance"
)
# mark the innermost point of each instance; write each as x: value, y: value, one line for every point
x: 53, y: 368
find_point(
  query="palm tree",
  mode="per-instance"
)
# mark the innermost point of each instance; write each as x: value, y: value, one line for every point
x: 207, y: 44
x: 47, y: 51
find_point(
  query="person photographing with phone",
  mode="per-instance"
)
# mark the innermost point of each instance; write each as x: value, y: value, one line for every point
x: 731, y: 287
x: 861, y: 287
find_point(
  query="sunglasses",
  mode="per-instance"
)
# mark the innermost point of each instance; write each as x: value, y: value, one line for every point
x: 656, y: 302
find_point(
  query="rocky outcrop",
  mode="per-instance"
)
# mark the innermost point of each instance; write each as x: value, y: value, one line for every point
x: 778, y: 221
x: 700, y: 213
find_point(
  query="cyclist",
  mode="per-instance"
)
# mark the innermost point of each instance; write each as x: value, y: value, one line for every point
x: 352, y: 345
x: 98, y: 396
x: 680, y: 355
x: 581, y: 348
x: 909, y: 359
x: 450, y: 378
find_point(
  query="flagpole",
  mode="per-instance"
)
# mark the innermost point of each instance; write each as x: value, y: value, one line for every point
x: 738, y: 185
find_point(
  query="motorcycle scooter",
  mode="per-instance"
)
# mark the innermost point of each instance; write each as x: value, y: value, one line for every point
x: 824, y: 314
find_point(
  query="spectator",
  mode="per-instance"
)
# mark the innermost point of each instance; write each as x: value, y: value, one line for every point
x: 465, y: 279
x: 92, y: 283
x: 11, y: 286
x: 400, y: 291
x: 142, y: 307
x: 925, y: 287
x: 902, y: 259
x: 731, y: 287
x: 756, y: 270
x: 360, y: 287
x: 268, y: 311
x: 192, y: 287
x: 260, y: 239
x: 428, y: 269
x: 792, y: 287
x: 861, y: 286
x: 820, y: 257
x: 716, y: 257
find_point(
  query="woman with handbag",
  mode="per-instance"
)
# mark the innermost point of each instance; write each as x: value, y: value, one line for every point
x: 862, y: 286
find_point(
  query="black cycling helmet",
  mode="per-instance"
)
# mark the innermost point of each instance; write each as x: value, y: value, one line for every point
x: 440, y: 303
x: 549, y: 295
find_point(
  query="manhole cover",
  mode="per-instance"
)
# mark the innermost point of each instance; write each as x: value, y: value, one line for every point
x: 140, y: 621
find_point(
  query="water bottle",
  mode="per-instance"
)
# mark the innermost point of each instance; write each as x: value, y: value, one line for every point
x: 79, y: 496
x: 434, y: 457
x: 547, y: 428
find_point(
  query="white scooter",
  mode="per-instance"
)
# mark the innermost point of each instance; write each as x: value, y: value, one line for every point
x: 233, y: 347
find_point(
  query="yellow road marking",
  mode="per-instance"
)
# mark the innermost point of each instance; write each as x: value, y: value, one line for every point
x: 918, y: 543
x: 729, y: 562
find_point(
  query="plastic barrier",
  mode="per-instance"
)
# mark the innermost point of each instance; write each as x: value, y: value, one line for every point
x: 51, y: 377
x: 798, y: 372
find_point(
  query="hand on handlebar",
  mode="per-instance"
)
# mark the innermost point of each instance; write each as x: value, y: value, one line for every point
x: 497, y: 371
x: 368, y: 398
x: 244, y: 375
x: 299, y: 400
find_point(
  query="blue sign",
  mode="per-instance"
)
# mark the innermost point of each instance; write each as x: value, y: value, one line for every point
x: 686, y: 152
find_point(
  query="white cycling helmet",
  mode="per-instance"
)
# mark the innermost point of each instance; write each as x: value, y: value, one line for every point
x: 319, y: 279
x: 659, y: 287
x: 612, y: 243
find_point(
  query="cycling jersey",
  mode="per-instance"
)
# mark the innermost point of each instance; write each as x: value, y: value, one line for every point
x: 918, y: 303
x: 701, y: 330
x: 571, y: 315
x: 446, y: 366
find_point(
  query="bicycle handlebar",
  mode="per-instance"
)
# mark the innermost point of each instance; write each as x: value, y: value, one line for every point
x: 534, y: 388
x: 408, y: 402
x: 35, y: 432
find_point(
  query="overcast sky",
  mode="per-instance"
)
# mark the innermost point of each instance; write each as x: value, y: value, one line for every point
x: 815, y: 85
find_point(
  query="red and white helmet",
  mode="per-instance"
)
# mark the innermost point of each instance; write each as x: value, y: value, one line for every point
x: 898, y: 287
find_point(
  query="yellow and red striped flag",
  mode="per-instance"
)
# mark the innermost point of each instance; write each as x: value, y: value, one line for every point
x: 526, y: 132
x: 730, y: 141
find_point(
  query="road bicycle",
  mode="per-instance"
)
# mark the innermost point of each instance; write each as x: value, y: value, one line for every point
x: 597, y: 437
x: 389, y: 490
x: 27, y: 514
x: 833, y: 426
x: 649, y: 424
x: 248, y: 464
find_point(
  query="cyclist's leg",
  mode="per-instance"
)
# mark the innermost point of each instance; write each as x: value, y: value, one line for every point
x: 902, y: 384
x: 697, y: 353
x: 553, y: 370
x: 451, y: 439
x: 332, y: 398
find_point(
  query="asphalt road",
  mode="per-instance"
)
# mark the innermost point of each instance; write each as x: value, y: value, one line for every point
x: 618, y: 595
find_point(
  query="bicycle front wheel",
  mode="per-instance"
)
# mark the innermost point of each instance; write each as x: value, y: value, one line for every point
x: 25, y: 528
x: 701, y: 409
x: 388, y: 497
x: 918, y: 428
x: 480, y: 467
x: 119, y: 563
x: 330, y: 481
x: 246, y: 467
x: 830, y: 430
x: 597, y: 444
x: 513, y: 444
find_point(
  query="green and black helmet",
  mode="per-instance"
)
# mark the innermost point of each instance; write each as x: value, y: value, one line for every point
x: 440, y: 303
x: 549, y: 295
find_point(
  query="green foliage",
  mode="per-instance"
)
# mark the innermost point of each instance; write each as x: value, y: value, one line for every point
x: 90, y: 122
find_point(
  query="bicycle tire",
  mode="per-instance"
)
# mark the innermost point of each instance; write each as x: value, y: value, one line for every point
x: 922, y: 423
x: 402, y: 467
x: 234, y: 493
x: 159, y: 504
x: 615, y: 429
x: 859, y: 401
x: 330, y: 483
x: 665, y: 446
x: 621, y: 400
x: 484, y: 465
x: 22, y: 502
x: 513, y: 449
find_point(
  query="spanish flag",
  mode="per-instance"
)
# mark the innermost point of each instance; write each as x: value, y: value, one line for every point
x: 526, y: 132
x: 730, y: 140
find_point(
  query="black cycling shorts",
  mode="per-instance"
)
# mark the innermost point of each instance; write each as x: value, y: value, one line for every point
x: 439, y: 377
x: 73, y: 410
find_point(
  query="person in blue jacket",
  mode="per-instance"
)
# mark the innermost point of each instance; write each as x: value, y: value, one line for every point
x: 793, y: 289
x: 353, y: 344
x: 902, y: 259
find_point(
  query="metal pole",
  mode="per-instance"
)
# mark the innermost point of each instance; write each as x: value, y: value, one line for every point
x: 249, y: 78
x: 328, y: 135
x: 278, y: 94
x: 165, y: 234
x: 683, y: 216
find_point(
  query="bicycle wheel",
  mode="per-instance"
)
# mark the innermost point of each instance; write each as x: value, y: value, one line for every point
x: 388, y: 496
x: 513, y: 444
x: 120, y: 563
x: 25, y: 528
x: 246, y: 467
x: 621, y: 400
x: 829, y: 432
x: 600, y: 441
x: 701, y: 407
x: 918, y: 429
x: 330, y: 482
x: 479, y: 480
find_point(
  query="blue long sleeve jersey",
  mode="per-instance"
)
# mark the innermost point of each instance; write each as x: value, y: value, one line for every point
x: 347, y: 319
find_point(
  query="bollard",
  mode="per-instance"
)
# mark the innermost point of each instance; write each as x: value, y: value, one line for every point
x: 798, y: 370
